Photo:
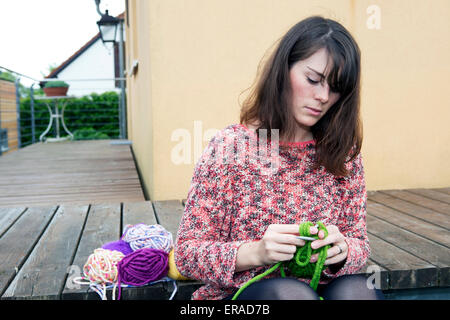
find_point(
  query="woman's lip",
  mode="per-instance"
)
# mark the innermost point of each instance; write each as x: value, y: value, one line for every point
x: 313, y: 111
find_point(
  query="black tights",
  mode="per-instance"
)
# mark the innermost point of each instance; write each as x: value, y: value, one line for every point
x: 347, y: 287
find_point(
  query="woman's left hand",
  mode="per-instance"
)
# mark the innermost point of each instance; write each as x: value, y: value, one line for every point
x: 339, y: 248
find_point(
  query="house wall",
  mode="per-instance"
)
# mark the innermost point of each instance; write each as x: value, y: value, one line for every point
x: 96, y: 62
x: 197, y: 58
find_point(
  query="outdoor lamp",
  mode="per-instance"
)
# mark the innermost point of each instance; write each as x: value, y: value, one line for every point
x: 108, y: 27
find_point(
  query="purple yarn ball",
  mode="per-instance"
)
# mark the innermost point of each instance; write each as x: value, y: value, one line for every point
x: 119, y: 245
x: 142, y: 266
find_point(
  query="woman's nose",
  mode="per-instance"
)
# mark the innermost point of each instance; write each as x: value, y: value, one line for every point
x: 322, y: 93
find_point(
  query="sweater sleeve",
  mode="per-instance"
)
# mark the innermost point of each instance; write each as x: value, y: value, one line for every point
x: 352, y: 220
x: 202, y: 249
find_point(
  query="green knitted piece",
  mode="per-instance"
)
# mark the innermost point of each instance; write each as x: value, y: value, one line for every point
x: 299, y: 265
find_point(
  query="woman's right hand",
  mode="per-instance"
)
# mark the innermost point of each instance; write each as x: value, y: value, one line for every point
x: 279, y: 243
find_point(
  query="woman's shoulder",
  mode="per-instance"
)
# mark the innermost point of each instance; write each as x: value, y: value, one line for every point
x: 222, y: 144
x: 230, y: 134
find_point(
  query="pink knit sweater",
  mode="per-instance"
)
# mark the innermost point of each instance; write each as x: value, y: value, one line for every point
x: 233, y: 199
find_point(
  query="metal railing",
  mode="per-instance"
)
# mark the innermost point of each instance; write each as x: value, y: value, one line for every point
x: 31, y: 117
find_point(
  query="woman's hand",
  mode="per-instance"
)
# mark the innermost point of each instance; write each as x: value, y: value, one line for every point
x: 339, y: 248
x: 279, y: 243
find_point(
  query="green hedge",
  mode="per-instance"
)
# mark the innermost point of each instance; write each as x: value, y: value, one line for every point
x: 95, y: 116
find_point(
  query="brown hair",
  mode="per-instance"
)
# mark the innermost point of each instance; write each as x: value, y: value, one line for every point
x: 339, y: 131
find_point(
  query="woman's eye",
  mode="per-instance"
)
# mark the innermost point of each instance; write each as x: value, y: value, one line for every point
x: 312, y: 81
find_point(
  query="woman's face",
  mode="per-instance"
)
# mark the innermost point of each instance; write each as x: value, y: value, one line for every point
x: 311, y: 95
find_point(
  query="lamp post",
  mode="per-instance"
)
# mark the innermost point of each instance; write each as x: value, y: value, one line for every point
x: 107, y: 26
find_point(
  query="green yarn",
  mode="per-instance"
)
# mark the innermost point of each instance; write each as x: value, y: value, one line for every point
x: 299, y: 265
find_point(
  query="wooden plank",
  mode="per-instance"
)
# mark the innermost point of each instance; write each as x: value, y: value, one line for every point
x: 83, y: 189
x: 70, y: 185
x: 411, y: 209
x: 415, y: 225
x: 432, y: 194
x: 43, y: 274
x: 79, y: 198
x: 137, y: 212
x: 168, y: 214
x: 427, y: 250
x: 69, y: 167
x: 443, y: 190
x: 379, y: 275
x: 65, y: 172
x: 405, y: 270
x: 73, y: 181
x: 73, y: 201
x: 420, y: 200
x: 421, y: 247
x: 18, y: 241
x: 8, y: 216
x: 102, y: 226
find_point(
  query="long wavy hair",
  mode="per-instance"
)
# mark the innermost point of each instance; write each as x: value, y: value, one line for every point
x: 338, y: 134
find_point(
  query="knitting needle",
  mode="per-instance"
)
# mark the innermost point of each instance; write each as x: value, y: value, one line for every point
x: 308, y: 238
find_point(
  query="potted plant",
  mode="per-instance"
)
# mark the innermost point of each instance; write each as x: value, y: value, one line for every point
x: 56, y: 88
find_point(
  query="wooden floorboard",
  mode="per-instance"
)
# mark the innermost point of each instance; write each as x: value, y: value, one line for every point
x: 432, y: 194
x: 18, y: 242
x: 42, y: 249
x: 422, y: 228
x: 425, y: 214
x: 102, y: 226
x: 43, y: 273
x: 70, y: 172
x: 420, y: 200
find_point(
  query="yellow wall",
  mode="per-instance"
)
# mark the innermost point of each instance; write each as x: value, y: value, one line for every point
x: 197, y: 56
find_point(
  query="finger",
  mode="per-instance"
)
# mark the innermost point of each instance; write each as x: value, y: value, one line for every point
x: 285, y: 228
x: 277, y: 256
x: 284, y: 238
x: 332, y: 238
x: 321, y: 234
x: 313, y: 230
x: 290, y: 239
x: 335, y: 259
x: 281, y: 248
x: 334, y: 251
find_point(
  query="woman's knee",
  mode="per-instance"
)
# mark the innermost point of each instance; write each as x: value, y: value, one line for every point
x: 351, y: 287
x: 279, y: 289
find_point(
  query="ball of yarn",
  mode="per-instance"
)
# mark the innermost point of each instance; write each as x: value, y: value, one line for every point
x: 142, y: 266
x: 300, y: 265
x: 101, y: 266
x: 120, y: 245
x: 153, y: 236
x: 173, y: 272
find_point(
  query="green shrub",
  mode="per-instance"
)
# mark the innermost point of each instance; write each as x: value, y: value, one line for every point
x: 56, y: 84
x: 94, y: 116
x: 89, y: 133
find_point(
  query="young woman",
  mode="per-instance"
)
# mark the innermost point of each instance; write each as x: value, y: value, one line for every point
x: 240, y: 218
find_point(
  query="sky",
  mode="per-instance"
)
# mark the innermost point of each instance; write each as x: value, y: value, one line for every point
x: 37, y: 34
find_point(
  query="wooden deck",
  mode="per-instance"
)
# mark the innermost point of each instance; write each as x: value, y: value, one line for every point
x: 72, y: 172
x: 41, y: 247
